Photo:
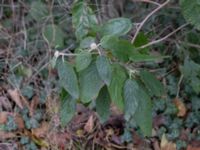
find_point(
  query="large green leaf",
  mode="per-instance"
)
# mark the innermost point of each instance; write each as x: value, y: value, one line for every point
x: 83, y: 19
x: 86, y: 42
x: 103, y: 104
x: 67, y: 110
x: 83, y: 60
x: 138, y: 106
x: 116, y: 27
x: 121, y: 49
x: 116, y: 86
x: 104, y: 69
x: 67, y: 78
x: 38, y: 10
x: 153, y: 85
x: 54, y: 35
x: 90, y: 83
x: 191, y: 11
x: 143, y: 114
x: 130, y: 98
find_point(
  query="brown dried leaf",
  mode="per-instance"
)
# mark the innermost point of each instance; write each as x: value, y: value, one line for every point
x: 192, y: 148
x: 41, y: 131
x: 15, y: 96
x: 7, y: 135
x: 181, y: 107
x: 166, y: 145
x: 19, y: 121
x: 5, y: 103
x: 89, y: 125
x: 33, y: 105
x: 3, y: 117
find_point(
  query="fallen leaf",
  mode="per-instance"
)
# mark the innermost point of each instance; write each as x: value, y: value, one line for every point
x: 3, y: 117
x: 41, y: 131
x: 5, y: 103
x: 181, y: 107
x: 19, y: 121
x: 15, y: 96
x: 7, y: 135
x: 89, y: 125
x: 166, y: 145
x: 192, y: 148
x: 33, y: 105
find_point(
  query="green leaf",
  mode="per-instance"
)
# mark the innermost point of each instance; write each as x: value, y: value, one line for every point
x: 141, y: 40
x: 137, y: 57
x: 90, y: 83
x: 191, y: 11
x: 83, y: 60
x: 83, y: 19
x: 38, y: 10
x: 130, y: 98
x: 86, y: 42
x: 116, y: 27
x: 103, y: 104
x: 67, y: 110
x: 121, y: 49
x: 54, y: 35
x: 138, y: 106
x: 143, y: 114
x: 116, y: 86
x: 153, y: 85
x: 68, y: 79
x: 104, y: 69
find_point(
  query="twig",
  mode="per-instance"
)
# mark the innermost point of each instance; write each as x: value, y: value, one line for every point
x: 147, y: 17
x: 147, y: 1
x: 164, y: 38
x: 178, y: 86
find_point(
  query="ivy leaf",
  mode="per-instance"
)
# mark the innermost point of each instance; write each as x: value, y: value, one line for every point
x: 121, y: 49
x: 130, y: 98
x: 68, y: 79
x: 90, y: 83
x: 138, y: 106
x: 116, y: 27
x: 104, y: 69
x: 38, y: 10
x: 83, y: 60
x: 191, y: 11
x: 67, y: 110
x: 103, y: 104
x: 54, y: 35
x: 83, y: 19
x: 153, y: 85
x: 116, y: 86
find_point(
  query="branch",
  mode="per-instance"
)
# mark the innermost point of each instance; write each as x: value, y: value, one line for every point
x: 164, y: 38
x: 147, y: 17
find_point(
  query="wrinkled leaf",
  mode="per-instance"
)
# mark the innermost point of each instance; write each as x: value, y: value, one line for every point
x: 191, y: 11
x: 54, y: 35
x: 90, y: 83
x: 116, y: 27
x: 116, y: 87
x: 83, y: 19
x: 153, y: 85
x: 67, y: 110
x: 103, y: 104
x: 130, y: 98
x: 68, y: 79
x: 83, y: 60
x: 121, y: 49
x: 38, y: 10
x: 104, y: 69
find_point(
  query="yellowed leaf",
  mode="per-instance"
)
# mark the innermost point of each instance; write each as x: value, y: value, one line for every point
x: 166, y: 145
x: 89, y: 125
x: 15, y: 96
x: 181, y: 107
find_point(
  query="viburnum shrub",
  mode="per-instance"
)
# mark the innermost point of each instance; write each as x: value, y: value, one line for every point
x: 102, y: 70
